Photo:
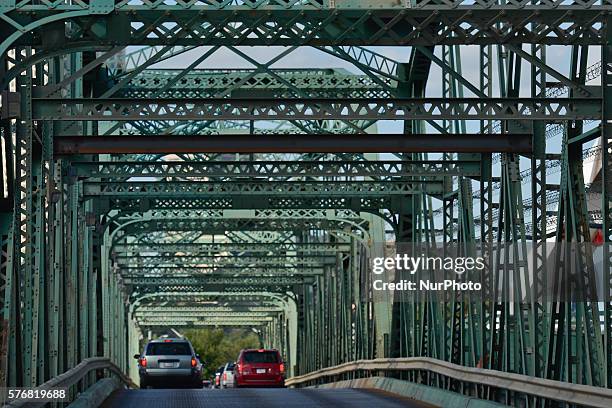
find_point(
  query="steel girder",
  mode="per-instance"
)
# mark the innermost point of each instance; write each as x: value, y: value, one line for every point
x: 264, y: 189
x: 223, y: 270
x: 161, y: 217
x: 208, y: 308
x: 205, y: 83
x: 370, y: 204
x: 204, y: 314
x: 216, y: 282
x: 266, y: 23
x: 120, y: 109
x: 186, y: 321
x: 167, y: 219
x: 270, y: 170
x: 209, y: 248
x: 222, y: 225
x: 338, y: 143
x: 219, y: 261
x: 249, y: 322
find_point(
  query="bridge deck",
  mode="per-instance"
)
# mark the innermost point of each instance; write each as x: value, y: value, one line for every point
x: 256, y: 398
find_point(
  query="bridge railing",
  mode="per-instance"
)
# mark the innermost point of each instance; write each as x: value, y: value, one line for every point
x: 73, y: 376
x: 574, y: 394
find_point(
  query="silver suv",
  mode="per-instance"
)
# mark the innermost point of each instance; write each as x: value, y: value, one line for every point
x: 169, y: 362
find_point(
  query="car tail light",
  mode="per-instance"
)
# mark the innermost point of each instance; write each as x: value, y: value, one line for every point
x: 143, y: 361
x: 224, y: 376
x: 238, y: 369
x: 281, y: 368
x: 194, y: 362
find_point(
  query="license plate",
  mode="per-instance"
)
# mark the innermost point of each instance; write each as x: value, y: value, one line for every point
x: 168, y: 365
x: 261, y: 371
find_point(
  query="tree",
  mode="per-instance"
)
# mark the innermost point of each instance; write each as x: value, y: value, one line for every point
x: 217, y: 346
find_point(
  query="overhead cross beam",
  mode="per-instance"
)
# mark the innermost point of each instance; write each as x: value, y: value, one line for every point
x: 229, y: 247
x: 217, y: 261
x: 293, y: 143
x: 207, y: 83
x: 237, y: 224
x: 224, y: 270
x: 314, y: 23
x: 133, y: 203
x: 254, y: 189
x: 273, y: 169
x: 119, y: 109
x: 211, y: 281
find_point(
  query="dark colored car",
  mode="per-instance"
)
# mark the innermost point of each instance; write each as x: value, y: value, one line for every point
x: 218, y: 375
x: 259, y: 368
x: 169, y: 361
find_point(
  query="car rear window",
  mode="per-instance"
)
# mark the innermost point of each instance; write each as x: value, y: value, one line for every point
x: 168, y: 349
x: 261, y: 357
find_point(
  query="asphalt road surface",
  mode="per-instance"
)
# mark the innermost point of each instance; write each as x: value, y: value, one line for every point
x: 257, y: 398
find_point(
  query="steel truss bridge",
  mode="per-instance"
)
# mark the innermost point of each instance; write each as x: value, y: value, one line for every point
x: 136, y: 198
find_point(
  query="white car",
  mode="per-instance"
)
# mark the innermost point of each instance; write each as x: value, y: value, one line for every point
x: 227, y: 378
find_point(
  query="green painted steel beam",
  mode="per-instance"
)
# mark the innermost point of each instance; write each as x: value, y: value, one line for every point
x: 212, y: 248
x: 119, y: 109
x: 206, y: 323
x: 125, y: 218
x: 170, y: 314
x: 208, y: 83
x: 225, y: 270
x: 253, y: 189
x: 179, y: 260
x: 172, y: 320
x: 272, y: 169
x: 372, y: 203
x: 207, y: 309
x: 221, y: 225
x: 360, y: 23
x: 341, y: 144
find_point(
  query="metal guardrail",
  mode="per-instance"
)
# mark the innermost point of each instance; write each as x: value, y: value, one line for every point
x: 549, y: 389
x: 73, y: 376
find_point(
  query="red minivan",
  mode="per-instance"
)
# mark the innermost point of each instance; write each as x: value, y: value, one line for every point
x: 259, y: 368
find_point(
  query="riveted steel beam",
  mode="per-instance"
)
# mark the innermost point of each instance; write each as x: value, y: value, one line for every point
x: 119, y: 109
x: 311, y: 24
x: 263, y: 189
x: 235, y: 322
x: 278, y: 284
x: 295, y: 143
x: 189, y: 315
x: 274, y: 169
x: 208, y: 83
x: 225, y: 270
x: 370, y: 203
x: 217, y: 261
x: 304, y: 249
x: 208, y: 308
x: 202, y: 320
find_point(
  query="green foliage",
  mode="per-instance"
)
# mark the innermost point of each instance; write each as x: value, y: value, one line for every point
x: 217, y: 346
